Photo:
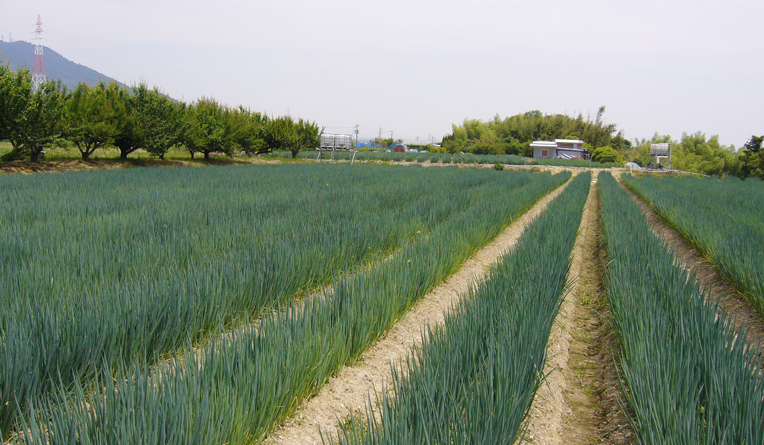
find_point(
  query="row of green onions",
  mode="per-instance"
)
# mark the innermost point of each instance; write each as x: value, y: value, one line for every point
x: 689, y: 376
x: 474, y: 378
x: 723, y: 219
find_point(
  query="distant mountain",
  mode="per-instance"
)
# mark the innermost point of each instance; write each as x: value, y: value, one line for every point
x: 21, y: 54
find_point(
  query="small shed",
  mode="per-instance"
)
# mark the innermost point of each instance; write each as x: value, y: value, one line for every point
x: 559, y: 149
x: 400, y: 148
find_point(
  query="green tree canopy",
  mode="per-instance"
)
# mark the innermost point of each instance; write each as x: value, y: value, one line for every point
x: 31, y: 120
x: 695, y: 153
x: 249, y: 127
x: 284, y: 133
x: 751, y: 158
x: 513, y: 135
x: 90, y: 118
x: 607, y: 155
x: 209, y: 128
x: 129, y: 134
x: 160, y: 119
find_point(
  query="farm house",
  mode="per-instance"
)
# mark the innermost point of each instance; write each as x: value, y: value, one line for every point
x: 559, y: 149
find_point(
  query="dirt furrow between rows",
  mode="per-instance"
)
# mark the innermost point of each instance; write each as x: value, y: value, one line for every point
x: 578, y: 402
x: 740, y: 311
x: 348, y: 392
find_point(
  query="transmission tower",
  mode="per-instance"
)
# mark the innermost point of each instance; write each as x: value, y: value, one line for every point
x: 38, y: 73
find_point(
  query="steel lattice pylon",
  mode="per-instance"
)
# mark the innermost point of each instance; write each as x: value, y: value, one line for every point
x: 38, y: 73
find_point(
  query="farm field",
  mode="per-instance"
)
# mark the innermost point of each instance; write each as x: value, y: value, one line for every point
x: 463, y: 208
x: 722, y: 219
x: 686, y: 366
x: 189, y: 305
x: 477, y: 374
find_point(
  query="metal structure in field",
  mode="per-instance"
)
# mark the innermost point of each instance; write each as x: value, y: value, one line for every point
x: 659, y: 152
x: 38, y: 73
x: 335, y: 142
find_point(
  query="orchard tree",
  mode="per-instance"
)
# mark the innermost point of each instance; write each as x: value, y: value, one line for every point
x: 160, y: 119
x: 128, y: 134
x: 307, y: 136
x: 283, y: 133
x: 41, y: 121
x: 15, y: 88
x: 31, y: 120
x: 90, y: 118
x: 249, y: 127
x: 209, y: 128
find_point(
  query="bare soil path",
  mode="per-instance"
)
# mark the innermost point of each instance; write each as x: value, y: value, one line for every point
x: 348, y: 393
x: 730, y: 301
x: 578, y: 402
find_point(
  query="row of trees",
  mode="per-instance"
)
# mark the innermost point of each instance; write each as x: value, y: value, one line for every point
x: 606, y: 144
x: 513, y: 135
x: 139, y: 118
x: 696, y: 153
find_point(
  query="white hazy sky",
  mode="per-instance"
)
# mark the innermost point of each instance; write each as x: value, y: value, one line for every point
x: 414, y: 67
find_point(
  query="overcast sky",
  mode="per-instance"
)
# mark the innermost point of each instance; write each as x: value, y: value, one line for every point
x: 414, y: 67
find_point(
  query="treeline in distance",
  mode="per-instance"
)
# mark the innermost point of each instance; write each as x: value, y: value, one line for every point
x: 138, y: 118
x: 606, y: 143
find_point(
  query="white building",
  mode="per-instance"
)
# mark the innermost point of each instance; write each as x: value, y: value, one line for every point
x: 559, y: 149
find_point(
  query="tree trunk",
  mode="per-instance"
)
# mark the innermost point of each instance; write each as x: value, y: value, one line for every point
x: 206, y: 155
x: 35, y: 155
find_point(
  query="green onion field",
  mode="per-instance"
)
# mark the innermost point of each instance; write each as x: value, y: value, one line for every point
x: 207, y: 305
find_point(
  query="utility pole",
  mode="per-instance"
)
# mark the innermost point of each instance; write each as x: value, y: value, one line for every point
x: 356, y: 134
x: 391, y: 136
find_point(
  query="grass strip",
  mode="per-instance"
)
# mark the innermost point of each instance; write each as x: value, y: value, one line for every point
x: 691, y: 379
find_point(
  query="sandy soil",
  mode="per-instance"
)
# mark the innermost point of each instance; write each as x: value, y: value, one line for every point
x: 578, y: 402
x: 348, y: 393
x: 730, y: 301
